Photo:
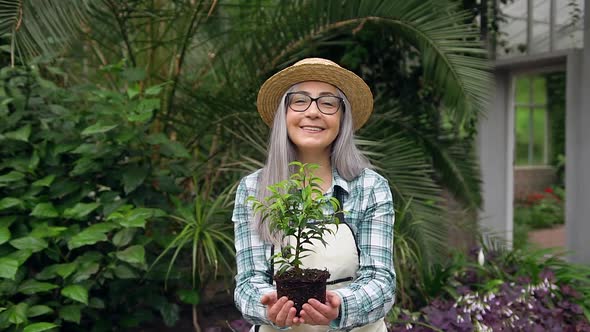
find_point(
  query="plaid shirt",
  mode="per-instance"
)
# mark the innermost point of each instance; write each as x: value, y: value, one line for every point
x: 368, y: 202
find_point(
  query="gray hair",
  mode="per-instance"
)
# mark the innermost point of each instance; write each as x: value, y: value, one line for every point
x: 345, y: 157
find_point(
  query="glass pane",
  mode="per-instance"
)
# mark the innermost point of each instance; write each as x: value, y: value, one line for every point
x: 539, y: 90
x: 539, y: 133
x: 521, y: 126
x: 522, y: 90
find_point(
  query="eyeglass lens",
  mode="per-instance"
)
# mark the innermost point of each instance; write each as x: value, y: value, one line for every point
x: 300, y: 102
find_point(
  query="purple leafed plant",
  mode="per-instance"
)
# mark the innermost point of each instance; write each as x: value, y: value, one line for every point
x: 489, y: 299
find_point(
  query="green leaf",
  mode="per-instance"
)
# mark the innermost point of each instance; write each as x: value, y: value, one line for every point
x: 71, y: 313
x: 86, y: 237
x: 39, y: 327
x: 4, y: 235
x: 44, y: 231
x: 155, y: 90
x: 9, y: 202
x: 85, y: 271
x: 17, y: 314
x: 33, y: 162
x: 64, y: 270
x: 8, y: 267
x: 124, y: 272
x: 189, y: 296
x: 123, y: 237
x: 133, y: 177
x: 80, y: 210
x: 6, y: 221
x: 33, y: 286
x: 21, y: 134
x: 133, y: 255
x: 96, y: 303
x: 44, y: 210
x: 169, y: 312
x: 175, y: 149
x: 76, y: 293
x: 98, y: 128
x: 38, y: 310
x: 20, y: 256
x: 44, y: 182
x: 29, y: 243
x: 11, y: 177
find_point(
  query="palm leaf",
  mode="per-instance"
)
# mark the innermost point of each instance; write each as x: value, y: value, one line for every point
x: 41, y: 27
x: 451, y: 53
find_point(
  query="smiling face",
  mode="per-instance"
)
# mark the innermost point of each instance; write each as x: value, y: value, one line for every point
x: 311, y: 130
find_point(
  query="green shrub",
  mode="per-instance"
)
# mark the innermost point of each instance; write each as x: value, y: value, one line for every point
x: 77, y: 173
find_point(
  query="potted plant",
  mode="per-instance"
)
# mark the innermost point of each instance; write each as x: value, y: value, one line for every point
x: 295, y: 212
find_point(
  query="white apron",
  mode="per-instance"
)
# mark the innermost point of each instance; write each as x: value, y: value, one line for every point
x: 340, y: 258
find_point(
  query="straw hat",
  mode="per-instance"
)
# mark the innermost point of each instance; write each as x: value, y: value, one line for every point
x: 356, y: 90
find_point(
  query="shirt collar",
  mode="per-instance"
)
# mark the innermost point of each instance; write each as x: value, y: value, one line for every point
x: 337, y: 180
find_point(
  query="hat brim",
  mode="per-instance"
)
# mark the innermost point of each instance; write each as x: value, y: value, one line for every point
x: 354, y: 88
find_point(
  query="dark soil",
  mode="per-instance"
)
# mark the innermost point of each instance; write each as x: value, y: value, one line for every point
x: 300, y: 285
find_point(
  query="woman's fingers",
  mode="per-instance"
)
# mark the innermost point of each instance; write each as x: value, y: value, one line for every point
x: 282, y: 316
x: 316, y: 313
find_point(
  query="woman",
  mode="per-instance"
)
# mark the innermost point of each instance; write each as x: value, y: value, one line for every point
x: 313, y: 108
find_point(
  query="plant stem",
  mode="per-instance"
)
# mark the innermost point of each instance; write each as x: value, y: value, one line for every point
x: 196, y: 319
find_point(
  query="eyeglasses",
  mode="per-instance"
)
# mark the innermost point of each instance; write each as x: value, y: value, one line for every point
x: 300, y: 102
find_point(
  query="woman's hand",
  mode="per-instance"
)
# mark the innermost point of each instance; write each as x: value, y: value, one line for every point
x: 316, y: 313
x: 280, y: 311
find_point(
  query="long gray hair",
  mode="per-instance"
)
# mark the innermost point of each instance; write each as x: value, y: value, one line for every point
x: 345, y: 157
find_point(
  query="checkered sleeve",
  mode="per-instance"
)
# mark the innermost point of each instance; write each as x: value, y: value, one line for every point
x: 372, y: 294
x: 253, y: 278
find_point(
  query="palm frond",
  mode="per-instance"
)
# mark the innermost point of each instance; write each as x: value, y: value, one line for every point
x: 451, y: 53
x: 41, y: 27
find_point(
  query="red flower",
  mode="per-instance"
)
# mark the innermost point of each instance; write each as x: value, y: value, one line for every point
x: 549, y: 190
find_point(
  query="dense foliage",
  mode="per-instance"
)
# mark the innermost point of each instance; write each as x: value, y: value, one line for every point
x: 82, y: 182
x: 506, y: 291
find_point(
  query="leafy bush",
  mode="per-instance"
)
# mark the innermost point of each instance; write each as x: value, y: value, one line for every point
x: 511, y: 291
x: 541, y: 210
x: 76, y: 174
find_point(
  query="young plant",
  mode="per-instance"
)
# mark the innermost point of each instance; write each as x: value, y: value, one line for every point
x: 296, y: 208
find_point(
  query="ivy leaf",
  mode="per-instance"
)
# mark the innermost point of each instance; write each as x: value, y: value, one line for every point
x: 38, y: 310
x: 134, y: 177
x: 44, y: 231
x: 29, y: 243
x: 44, y: 182
x: 21, y: 134
x: 98, y: 128
x: 9, y: 202
x: 125, y: 272
x: 80, y: 210
x: 44, y: 210
x: 33, y: 286
x: 11, y: 177
x: 86, y: 237
x: 8, y: 267
x: 17, y: 314
x: 133, y: 255
x: 4, y: 235
x: 20, y: 256
x: 39, y: 327
x: 71, y: 313
x: 76, y: 293
x: 122, y: 238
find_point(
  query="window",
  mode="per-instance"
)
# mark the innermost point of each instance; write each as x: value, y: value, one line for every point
x: 531, y: 121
